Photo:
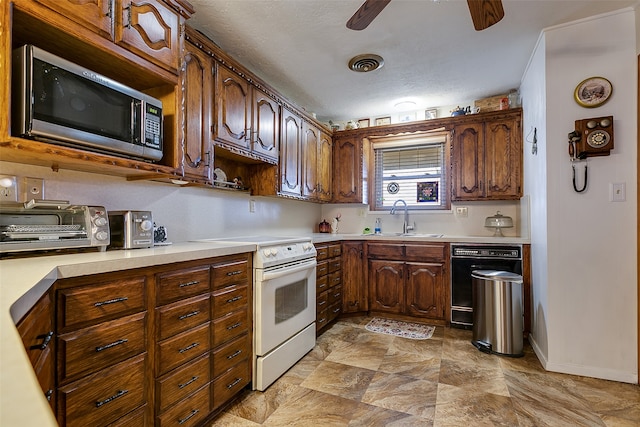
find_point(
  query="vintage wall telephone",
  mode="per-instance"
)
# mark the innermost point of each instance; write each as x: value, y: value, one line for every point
x: 591, y: 137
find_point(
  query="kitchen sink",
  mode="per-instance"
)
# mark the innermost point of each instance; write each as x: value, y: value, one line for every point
x: 406, y: 235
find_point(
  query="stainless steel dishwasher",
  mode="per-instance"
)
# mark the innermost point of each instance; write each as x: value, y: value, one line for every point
x: 468, y: 257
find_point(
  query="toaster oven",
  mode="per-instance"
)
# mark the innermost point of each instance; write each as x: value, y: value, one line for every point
x: 52, y: 224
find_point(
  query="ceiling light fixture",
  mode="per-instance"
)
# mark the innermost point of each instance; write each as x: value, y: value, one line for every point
x: 366, y: 62
x: 405, y: 105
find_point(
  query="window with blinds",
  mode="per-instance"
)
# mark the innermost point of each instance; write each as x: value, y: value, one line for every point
x: 411, y: 170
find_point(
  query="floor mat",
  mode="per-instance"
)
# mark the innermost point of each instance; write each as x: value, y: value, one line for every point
x: 414, y: 331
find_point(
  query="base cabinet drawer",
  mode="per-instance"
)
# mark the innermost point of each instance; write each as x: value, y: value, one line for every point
x: 136, y: 418
x: 91, y: 304
x: 229, y: 326
x: 181, y: 348
x: 181, y: 382
x: 188, y: 412
x: 102, y: 398
x: 182, y: 315
x: 230, y: 299
x: 230, y: 383
x: 90, y: 349
x: 229, y: 354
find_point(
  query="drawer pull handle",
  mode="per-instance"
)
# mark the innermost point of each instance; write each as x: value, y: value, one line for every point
x: 234, y: 273
x: 234, y: 383
x: 110, y: 301
x: 188, y: 417
x: 46, y: 339
x: 322, y: 303
x: 235, y: 325
x: 48, y: 395
x: 183, y: 385
x: 337, y: 310
x: 189, y: 347
x: 234, y: 299
x: 236, y: 354
x: 191, y: 283
x: 186, y: 316
x: 120, y: 393
x: 322, y: 286
x: 113, y: 344
x: 337, y: 295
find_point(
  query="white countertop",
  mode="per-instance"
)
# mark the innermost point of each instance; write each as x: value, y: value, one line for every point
x: 24, y: 280
x: 507, y: 240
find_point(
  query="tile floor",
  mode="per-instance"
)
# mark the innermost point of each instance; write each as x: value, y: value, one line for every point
x: 354, y: 377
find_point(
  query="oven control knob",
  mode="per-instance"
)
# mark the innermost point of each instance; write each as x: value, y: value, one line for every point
x: 102, y: 235
x: 146, y: 225
x: 100, y: 221
x: 266, y: 252
x: 274, y: 251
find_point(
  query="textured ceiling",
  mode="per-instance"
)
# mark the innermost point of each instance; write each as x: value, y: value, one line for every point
x: 432, y: 54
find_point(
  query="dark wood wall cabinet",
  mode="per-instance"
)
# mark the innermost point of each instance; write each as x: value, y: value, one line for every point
x: 487, y: 159
x: 166, y: 346
x: 486, y: 156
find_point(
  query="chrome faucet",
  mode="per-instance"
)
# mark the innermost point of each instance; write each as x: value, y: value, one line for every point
x: 405, y: 226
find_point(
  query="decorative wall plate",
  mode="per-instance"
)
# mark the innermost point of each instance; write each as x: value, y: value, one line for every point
x: 393, y: 187
x: 593, y: 92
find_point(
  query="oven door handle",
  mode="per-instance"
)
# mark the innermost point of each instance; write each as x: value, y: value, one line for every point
x: 278, y: 273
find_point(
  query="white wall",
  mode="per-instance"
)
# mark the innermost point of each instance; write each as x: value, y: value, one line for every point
x: 535, y: 184
x: 354, y: 218
x: 187, y: 212
x: 586, y: 314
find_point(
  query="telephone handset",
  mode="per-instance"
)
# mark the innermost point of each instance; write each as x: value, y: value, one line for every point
x: 591, y: 137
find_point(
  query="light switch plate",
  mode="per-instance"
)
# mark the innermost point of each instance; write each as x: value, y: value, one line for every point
x: 617, y: 192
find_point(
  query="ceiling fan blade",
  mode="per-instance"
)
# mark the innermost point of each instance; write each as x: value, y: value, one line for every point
x: 485, y: 13
x: 366, y: 14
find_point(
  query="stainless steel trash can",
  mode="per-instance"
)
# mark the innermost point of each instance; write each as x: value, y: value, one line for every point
x: 497, y: 312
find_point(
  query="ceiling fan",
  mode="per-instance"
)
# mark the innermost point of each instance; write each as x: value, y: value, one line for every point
x: 484, y: 13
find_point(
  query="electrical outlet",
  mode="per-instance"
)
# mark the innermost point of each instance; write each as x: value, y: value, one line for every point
x: 8, y: 188
x: 462, y: 211
x: 32, y: 188
x: 252, y: 206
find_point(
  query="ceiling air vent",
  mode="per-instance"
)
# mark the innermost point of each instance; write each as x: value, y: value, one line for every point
x: 365, y: 63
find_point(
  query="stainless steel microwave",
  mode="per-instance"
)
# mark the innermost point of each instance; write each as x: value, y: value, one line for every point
x: 57, y: 101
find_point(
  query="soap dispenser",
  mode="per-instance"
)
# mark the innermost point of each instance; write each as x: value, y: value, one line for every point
x: 378, y: 228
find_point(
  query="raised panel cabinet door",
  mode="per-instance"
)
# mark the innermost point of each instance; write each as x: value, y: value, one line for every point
x: 197, y: 96
x: 151, y: 30
x: 386, y: 279
x: 290, y: 154
x: 325, y: 161
x: 96, y: 15
x: 347, y: 171
x: 266, y: 126
x: 468, y: 160
x: 355, y: 293
x: 425, y: 290
x: 503, y: 159
x: 310, y: 148
x: 233, y: 109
